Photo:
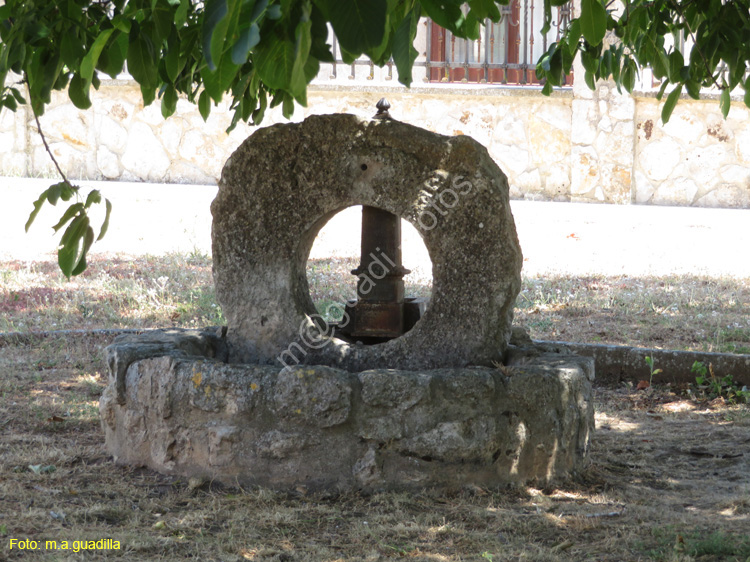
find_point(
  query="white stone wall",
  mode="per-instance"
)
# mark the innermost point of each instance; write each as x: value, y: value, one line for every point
x: 577, y: 145
x: 697, y: 158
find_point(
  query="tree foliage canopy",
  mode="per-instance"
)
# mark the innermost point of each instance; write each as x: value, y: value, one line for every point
x: 689, y: 45
x: 262, y: 53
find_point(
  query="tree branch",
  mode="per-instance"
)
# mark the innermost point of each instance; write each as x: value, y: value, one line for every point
x: 44, y: 141
x: 695, y: 44
x: 47, y: 148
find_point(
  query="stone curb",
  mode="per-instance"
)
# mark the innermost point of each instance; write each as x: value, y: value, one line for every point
x: 615, y: 363
x: 15, y: 338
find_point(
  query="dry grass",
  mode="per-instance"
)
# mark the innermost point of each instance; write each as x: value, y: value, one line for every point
x: 667, y: 481
x: 668, y: 478
x: 690, y: 313
x: 117, y: 292
x: 685, y: 312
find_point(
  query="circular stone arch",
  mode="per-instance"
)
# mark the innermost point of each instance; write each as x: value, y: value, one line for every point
x: 281, y: 186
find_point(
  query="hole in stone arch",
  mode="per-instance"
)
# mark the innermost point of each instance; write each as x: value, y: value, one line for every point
x: 337, y: 251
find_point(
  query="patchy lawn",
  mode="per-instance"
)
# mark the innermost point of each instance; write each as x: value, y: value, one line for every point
x: 668, y: 480
x: 685, y: 312
x: 668, y: 477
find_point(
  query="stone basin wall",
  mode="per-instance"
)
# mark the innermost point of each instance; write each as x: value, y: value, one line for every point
x: 326, y: 428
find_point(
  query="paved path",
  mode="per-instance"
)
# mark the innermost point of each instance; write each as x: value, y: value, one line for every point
x: 565, y: 238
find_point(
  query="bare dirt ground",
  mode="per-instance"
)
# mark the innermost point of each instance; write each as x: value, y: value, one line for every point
x: 667, y: 480
x: 669, y: 472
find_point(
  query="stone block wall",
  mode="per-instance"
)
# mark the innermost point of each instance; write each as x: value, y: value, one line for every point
x: 697, y: 158
x: 577, y: 145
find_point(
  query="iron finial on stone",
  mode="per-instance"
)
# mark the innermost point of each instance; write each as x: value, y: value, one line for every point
x: 383, y: 107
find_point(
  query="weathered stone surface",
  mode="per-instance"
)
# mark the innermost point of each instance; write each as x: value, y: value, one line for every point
x: 659, y: 158
x: 143, y: 146
x: 285, y: 182
x: 327, y: 428
x: 128, y: 349
x: 321, y: 396
x: 112, y: 134
x: 107, y: 163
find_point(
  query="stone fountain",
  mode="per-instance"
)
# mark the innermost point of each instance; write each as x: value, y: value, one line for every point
x: 280, y: 398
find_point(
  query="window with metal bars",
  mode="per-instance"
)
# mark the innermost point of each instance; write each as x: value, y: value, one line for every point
x: 505, y: 53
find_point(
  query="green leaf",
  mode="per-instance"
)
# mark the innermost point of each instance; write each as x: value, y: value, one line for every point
x: 275, y: 59
x: 174, y: 63
x: 298, y: 79
x: 10, y: 102
x: 674, y: 95
x: 258, y: 114
x: 693, y: 89
x: 204, y: 105
x: 180, y: 16
x: 628, y: 75
x: 216, y: 83
x: 94, y: 196
x: 725, y: 102
x: 747, y: 92
x: 654, y: 54
x: 320, y: 49
x: 404, y: 53
x: 257, y: 10
x: 590, y: 80
x: 88, y: 64
x: 73, y: 245
x: 484, y: 9
x: 17, y: 54
x: 662, y: 89
x: 574, y: 36
x: 64, y: 191
x: 556, y: 67
x: 88, y: 240
x: 248, y: 39
x: 17, y: 95
x: 61, y: 190
x: 589, y: 61
x: 141, y: 64
x: 42, y: 73
x: 162, y: 17
x: 169, y: 101
x: 608, y: 66
x: 215, y: 12
x: 122, y: 23
x: 148, y: 94
x: 593, y: 21
x: 69, y: 213
x: 71, y: 49
x: 274, y: 12
x: 676, y: 62
x: 105, y: 224
x: 446, y: 14
x: 112, y: 60
x: 287, y: 107
x: 359, y: 25
x: 37, y: 207
x: 79, y: 92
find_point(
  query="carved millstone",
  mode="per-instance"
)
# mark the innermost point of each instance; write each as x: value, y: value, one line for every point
x: 283, y: 184
x: 454, y: 401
